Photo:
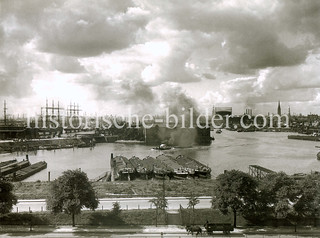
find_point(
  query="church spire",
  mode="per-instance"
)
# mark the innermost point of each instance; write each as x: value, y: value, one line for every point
x: 279, y: 108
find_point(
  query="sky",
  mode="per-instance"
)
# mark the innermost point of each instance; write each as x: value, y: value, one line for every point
x: 142, y: 55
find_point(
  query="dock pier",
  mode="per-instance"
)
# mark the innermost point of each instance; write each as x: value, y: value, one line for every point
x: 259, y: 172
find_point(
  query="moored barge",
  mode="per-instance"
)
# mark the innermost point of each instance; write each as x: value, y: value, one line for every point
x: 27, y: 171
x: 143, y: 169
x: 179, y: 171
x: 122, y: 169
x: 200, y: 170
x: 161, y: 167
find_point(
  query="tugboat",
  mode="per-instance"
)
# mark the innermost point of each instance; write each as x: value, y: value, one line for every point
x: 162, y: 147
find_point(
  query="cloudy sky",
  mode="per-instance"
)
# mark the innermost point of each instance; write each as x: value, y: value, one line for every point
x: 109, y: 56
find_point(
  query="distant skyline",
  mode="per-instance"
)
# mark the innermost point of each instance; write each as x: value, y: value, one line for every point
x: 108, y: 56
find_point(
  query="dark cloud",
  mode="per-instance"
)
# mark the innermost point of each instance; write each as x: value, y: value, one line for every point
x: 75, y: 28
x: 209, y: 76
x: 95, y: 29
x: 177, y: 101
x: 15, y: 76
x: 301, y: 16
x: 66, y: 64
x: 126, y: 92
x: 135, y: 92
x: 251, y: 41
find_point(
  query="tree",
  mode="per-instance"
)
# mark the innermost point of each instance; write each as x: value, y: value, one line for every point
x: 7, y: 198
x: 116, y: 209
x: 308, y: 204
x: 192, y: 202
x: 235, y: 190
x: 70, y: 193
x: 278, y: 193
x: 161, y: 203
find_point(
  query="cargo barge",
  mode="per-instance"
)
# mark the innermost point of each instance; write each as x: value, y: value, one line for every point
x: 198, y: 169
x: 179, y: 171
x: 27, y: 171
x: 122, y: 168
x: 143, y: 168
x: 161, y: 167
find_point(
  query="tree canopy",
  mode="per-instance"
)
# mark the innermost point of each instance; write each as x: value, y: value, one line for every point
x: 7, y: 198
x: 71, y: 192
x: 278, y: 192
x: 235, y: 191
x: 193, y: 200
x: 160, y: 202
x: 308, y: 204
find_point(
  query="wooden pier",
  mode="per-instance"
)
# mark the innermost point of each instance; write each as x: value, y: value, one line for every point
x: 259, y: 172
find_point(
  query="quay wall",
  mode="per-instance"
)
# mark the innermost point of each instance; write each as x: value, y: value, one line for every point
x: 29, y: 145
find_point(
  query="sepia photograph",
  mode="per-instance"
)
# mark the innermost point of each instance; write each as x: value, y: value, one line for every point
x: 160, y: 118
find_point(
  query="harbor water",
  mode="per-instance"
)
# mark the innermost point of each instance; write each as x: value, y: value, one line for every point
x: 230, y: 150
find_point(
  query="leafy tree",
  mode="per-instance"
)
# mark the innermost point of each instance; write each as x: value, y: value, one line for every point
x: 70, y: 193
x: 7, y: 198
x: 116, y: 209
x: 161, y: 203
x: 278, y: 192
x: 308, y: 204
x: 235, y: 190
x: 192, y: 202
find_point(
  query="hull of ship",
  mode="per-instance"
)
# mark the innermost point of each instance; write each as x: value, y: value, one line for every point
x: 144, y: 175
x: 301, y: 137
x: 111, y: 139
x: 202, y: 174
x: 100, y: 139
x: 180, y: 175
x: 159, y: 176
x: 126, y: 176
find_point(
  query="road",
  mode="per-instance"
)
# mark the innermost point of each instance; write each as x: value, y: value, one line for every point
x: 125, y: 203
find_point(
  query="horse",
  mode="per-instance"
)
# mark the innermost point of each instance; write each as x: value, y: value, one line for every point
x: 191, y: 229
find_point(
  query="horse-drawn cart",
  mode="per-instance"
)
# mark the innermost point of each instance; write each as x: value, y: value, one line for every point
x: 224, y: 227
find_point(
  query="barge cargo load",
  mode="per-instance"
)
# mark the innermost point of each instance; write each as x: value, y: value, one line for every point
x: 178, y: 170
x: 122, y: 169
x: 161, y: 167
x: 143, y: 169
x: 13, y: 167
x: 8, y: 162
x: 200, y: 170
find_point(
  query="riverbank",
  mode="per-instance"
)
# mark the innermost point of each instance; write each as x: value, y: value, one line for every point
x: 136, y: 188
x: 36, y: 144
